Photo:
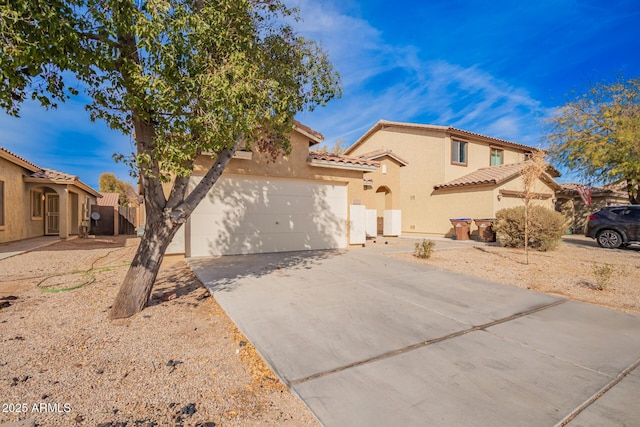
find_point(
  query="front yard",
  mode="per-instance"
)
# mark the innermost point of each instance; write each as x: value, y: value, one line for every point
x: 179, y: 362
x: 576, y: 270
x: 182, y: 361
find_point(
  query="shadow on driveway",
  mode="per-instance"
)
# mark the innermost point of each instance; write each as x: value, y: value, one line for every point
x: 228, y: 269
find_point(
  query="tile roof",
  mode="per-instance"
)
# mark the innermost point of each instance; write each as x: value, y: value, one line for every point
x: 17, y: 159
x: 613, y: 189
x: 109, y: 199
x: 450, y: 129
x: 56, y: 177
x: 335, y: 158
x: 493, y: 175
x: 53, y: 175
x: 306, y: 129
x: 381, y: 153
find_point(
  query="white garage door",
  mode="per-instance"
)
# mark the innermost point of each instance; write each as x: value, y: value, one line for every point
x: 244, y: 215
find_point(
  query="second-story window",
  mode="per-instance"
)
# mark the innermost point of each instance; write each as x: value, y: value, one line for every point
x: 497, y: 157
x: 458, y: 152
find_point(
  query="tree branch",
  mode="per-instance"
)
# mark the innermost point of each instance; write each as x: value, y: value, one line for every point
x: 97, y: 37
x: 203, y: 187
x: 178, y: 191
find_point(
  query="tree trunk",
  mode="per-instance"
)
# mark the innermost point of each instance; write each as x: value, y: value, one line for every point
x: 633, y: 190
x: 136, y: 287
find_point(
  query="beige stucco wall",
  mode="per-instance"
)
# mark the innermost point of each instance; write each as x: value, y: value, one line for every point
x: 424, y: 150
x: 428, y: 152
x: 381, y: 180
x: 17, y: 205
x: 474, y: 202
x: 292, y: 166
x: 18, y: 221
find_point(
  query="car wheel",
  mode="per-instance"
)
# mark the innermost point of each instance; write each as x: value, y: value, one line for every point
x: 609, y: 239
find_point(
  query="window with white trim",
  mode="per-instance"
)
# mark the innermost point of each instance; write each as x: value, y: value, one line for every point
x: 459, y: 152
x: 497, y: 157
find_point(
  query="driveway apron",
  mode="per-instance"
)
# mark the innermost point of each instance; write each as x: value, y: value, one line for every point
x: 368, y: 340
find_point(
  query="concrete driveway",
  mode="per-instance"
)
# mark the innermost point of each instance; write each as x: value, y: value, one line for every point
x: 367, y: 340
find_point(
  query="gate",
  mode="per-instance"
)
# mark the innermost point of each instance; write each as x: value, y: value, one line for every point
x: 127, y: 220
x: 103, y: 226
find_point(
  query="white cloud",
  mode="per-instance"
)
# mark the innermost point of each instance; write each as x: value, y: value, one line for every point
x: 386, y: 81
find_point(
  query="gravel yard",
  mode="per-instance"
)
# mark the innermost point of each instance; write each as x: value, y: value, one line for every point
x: 182, y: 361
x: 570, y: 271
x: 179, y: 362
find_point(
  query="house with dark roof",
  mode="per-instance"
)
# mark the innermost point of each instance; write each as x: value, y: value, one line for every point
x: 35, y: 201
x: 430, y: 174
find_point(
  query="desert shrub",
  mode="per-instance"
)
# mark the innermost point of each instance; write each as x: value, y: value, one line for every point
x: 602, y: 274
x: 546, y: 228
x: 424, y: 248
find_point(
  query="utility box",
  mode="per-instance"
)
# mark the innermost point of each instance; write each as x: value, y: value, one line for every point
x: 392, y: 223
x: 357, y: 224
x: 461, y: 228
x: 485, y: 229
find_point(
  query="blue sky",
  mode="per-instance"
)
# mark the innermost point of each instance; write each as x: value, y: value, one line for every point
x: 493, y: 67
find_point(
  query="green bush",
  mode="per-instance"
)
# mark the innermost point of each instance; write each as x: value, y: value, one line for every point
x: 546, y: 228
x: 424, y: 249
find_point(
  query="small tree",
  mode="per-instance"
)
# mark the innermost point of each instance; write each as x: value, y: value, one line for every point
x: 598, y: 135
x: 337, y: 148
x: 109, y: 183
x: 533, y: 170
x: 186, y: 77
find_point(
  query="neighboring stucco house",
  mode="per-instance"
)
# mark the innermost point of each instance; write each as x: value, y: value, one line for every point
x: 571, y: 205
x: 299, y: 202
x: 36, y: 201
x: 429, y: 174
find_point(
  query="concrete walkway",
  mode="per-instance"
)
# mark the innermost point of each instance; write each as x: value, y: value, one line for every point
x: 21, y: 246
x: 367, y: 340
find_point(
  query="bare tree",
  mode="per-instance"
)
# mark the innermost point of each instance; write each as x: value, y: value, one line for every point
x: 533, y: 170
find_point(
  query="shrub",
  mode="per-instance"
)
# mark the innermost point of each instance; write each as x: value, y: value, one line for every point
x: 603, y: 276
x: 424, y: 249
x: 546, y: 228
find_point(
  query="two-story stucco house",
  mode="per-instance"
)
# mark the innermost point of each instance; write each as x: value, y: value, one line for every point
x: 429, y: 174
x: 36, y: 202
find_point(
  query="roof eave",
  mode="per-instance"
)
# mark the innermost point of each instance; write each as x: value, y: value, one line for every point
x: 339, y: 165
x: 76, y: 183
x: 391, y: 155
x: 381, y: 124
x: 491, y: 183
x: 315, y: 139
x: 18, y: 161
x: 485, y: 138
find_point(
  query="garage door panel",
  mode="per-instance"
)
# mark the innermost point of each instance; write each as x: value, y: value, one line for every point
x: 235, y: 222
x: 249, y: 243
x: 256, y: 215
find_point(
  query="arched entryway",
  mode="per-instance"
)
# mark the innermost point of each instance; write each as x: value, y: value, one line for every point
x: 55, y: 210
x: 383, y: 202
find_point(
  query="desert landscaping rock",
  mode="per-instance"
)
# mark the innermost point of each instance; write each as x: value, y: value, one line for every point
x: 567, y: 271
x: 113, y: 373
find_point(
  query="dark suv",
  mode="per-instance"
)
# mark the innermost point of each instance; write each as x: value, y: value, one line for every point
x: 614, y: 226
